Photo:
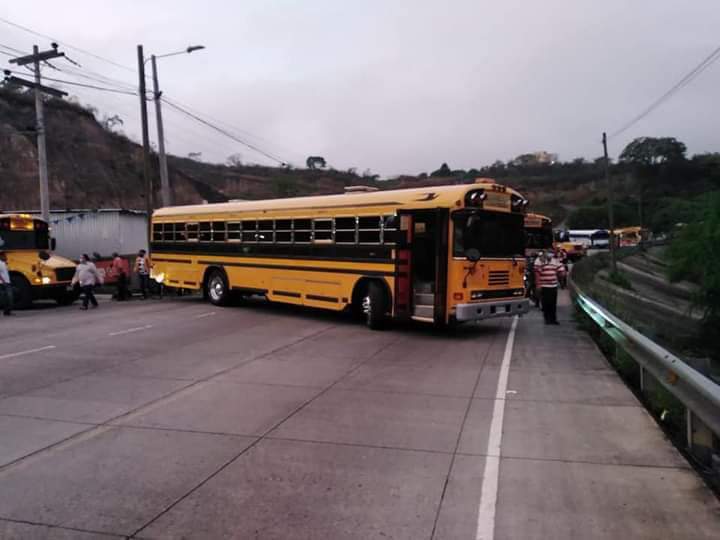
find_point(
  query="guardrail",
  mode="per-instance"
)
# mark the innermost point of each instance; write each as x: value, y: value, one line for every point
x: 698, y: 394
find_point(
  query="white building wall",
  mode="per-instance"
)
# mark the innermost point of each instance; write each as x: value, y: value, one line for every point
x: 100, y: 232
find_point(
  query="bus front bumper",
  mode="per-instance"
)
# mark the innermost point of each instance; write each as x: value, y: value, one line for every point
x: 489, y: 310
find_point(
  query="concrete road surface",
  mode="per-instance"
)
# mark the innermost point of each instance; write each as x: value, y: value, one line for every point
x: 175, y: 419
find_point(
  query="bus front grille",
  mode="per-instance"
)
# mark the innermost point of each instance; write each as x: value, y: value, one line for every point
x: 64, y: 274
x: 499, y: 278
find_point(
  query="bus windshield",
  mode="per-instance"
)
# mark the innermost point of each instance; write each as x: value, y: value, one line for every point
x: 19, y: 239
x: 539, y: 238
x: 494, y: 234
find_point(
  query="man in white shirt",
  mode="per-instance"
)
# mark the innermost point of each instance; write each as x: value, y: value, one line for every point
x: 6, y: 285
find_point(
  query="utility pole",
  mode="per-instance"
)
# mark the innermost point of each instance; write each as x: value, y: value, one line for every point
x: 146, y: 142
x: 610, y: 202
x: 165, y: 193
x: 35, y: 58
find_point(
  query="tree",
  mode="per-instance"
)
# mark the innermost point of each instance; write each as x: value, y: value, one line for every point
x: 650, y: 151
x: 313, y: 162
x: 695, y: 255
x: 109, y: 122
x: 646, y: 156
x: 234, y: 160
x: 444, y: 170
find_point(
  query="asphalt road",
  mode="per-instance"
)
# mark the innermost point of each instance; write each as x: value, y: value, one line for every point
x: 175, y: 419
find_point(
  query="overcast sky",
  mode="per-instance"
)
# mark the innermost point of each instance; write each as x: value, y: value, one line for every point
x: 397, y: 86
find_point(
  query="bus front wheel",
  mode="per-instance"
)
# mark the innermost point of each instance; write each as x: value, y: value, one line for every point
x: 22, y: 292
x: 374, y: 306
x: 216, y: 288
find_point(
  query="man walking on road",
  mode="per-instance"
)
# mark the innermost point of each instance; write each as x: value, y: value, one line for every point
x: 120, y: 269
x: 87, y: 275
x: 6, y: 285
x: 547, y: 275
x: 142, y: 268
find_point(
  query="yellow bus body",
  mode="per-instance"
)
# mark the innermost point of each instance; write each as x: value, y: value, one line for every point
x: 322, y: 265
x: 35, y: 273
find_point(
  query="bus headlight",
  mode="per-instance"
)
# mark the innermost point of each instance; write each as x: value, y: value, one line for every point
x: 45, y: 280
x: 159, y: 277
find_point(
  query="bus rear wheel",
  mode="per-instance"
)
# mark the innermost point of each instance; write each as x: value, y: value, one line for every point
x: 374, y: 306
x: 216, y: 288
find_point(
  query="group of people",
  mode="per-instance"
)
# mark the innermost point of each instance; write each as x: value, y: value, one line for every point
x: 87, y: 277
x: 547, y: 273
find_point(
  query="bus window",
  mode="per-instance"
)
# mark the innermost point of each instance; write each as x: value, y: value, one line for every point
x: 322, y: 229
x: 234, y: 230
x: 369, y: 230
x: 302, y: 231
x: 218, y: 231
x: 283, y: 231
x: 191, y: 232
x: 345, y: 230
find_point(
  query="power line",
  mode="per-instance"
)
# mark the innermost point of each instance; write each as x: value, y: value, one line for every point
x: 12, y: 49
x: 224, y: 132
x: 687, y: 79
x: 67, y: 45
x: 92, y: 86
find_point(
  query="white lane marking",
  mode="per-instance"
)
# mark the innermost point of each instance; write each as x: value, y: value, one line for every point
x: 203, y: 315
x: 488, y: 495
x: 136, y: 329
x: 13, y: 355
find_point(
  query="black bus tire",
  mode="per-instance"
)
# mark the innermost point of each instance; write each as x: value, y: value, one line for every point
x: 216, y: 288
x: 375, y: 305
x: 22, y: 292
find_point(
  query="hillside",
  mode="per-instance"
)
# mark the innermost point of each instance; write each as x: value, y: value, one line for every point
x: 91, y: 166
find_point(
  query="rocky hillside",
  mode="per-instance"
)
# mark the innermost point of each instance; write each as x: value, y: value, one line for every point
x: 92, y: 167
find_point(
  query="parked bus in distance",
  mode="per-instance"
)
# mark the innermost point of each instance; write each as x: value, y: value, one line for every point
x: 34, y: 273
x: 591, y: 238
x: 538, y: 234
x: 630, y: 236
x: 575, y: 250
x: 438, y: 254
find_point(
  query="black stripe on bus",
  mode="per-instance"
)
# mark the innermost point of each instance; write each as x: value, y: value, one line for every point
x: 322, y: 298
x: 250, y: 290
x: 302, y: 268
x: 158, y: 259
x: 287, y: 293
x: 193, y: 283
x: 335, y: 252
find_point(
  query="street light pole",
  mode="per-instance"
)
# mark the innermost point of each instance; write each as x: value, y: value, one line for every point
x: 165, y: 193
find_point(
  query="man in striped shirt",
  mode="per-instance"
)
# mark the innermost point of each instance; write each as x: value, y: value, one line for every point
x: 547, y: 277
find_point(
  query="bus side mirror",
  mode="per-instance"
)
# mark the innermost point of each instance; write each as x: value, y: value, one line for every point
x: 43, y: 255
x: 53, y: 244
x: 472, y: 255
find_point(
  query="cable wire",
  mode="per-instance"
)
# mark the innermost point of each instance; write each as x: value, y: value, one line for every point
x: 67, y: 45
x: 687, y: 79
x: 224, y: 132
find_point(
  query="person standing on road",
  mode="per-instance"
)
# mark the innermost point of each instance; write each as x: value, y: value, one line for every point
x: 6, y: 285
x: 142, y: 268
x: 120, y: 269
x: 87, y: 276
x: 547, y: 275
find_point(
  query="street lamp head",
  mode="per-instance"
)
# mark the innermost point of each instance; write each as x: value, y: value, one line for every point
x: 192, y: 48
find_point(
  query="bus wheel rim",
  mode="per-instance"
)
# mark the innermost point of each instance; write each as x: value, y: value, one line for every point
x: 367, y: 306
x: 217, y: 288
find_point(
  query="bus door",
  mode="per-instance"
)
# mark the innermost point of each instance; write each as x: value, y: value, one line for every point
x: 422, y: 264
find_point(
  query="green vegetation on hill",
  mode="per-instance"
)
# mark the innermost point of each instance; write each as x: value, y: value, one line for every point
x: 694, y: 255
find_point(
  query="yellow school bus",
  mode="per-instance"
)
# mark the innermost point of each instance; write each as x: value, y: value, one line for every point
x: 34, y: 273
x: 630, y: 236
x: 437, y: 254
x: 538, y: 234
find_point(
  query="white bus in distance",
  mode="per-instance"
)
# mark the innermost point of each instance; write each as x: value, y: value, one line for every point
x: 591, y: 238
